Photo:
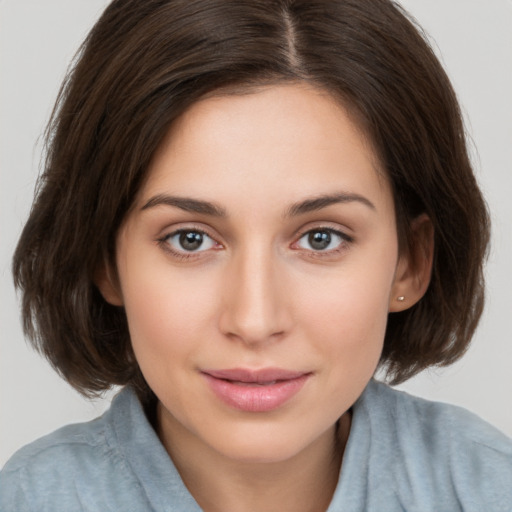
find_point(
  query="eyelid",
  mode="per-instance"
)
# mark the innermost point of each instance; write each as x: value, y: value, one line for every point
x: 338, y: 230
x: 180, y: 227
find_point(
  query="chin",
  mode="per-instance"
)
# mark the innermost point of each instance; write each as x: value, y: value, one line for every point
x: 264, y: 445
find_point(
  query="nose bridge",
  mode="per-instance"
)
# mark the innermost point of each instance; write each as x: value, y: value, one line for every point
x: 254, y: 308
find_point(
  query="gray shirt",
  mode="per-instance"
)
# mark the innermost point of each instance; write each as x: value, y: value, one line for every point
x: 403, y: 454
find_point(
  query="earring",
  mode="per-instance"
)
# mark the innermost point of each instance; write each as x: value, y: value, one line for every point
x: 401, y: 298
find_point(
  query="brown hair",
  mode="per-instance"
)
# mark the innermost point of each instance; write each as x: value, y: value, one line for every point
x: 144, y: 63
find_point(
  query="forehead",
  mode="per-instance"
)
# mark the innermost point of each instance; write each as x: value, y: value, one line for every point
x: 293, y: 138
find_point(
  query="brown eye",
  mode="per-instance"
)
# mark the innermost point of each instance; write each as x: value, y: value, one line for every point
x: 319, y: 240
x: 191, y: 240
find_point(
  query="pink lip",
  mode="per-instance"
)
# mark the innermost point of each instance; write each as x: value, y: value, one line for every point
x: 255, y: 390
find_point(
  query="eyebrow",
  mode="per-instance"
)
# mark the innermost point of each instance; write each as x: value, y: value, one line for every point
x: 323, y: 201
x: 187, y: 204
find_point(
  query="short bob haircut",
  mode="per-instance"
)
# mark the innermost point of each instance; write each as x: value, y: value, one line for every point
x: 145, y: 63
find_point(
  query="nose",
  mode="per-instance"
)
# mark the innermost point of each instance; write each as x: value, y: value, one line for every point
x: 256, y: 309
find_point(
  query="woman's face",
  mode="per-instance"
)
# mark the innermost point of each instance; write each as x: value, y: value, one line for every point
x: 257, y: 270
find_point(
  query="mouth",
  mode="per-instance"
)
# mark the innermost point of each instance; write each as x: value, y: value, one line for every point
x: 255, y: 390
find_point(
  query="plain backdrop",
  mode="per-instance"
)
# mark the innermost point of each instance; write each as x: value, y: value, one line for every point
x: 38, y: 38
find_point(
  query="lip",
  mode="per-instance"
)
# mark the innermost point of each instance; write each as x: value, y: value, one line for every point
x: 260, y: 390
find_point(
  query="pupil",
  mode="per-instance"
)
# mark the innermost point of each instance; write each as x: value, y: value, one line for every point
x: 191, y: 241
x: 319, y: 240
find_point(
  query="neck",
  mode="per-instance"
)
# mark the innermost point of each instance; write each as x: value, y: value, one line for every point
x: 302, y: 483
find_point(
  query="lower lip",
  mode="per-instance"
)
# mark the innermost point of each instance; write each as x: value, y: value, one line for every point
x: 254, y: 397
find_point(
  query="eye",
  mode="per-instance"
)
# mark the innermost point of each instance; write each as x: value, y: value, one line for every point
x: 322, y: 240
x: 189, y: 240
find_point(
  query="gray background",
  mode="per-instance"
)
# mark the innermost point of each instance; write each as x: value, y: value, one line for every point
x: 38, y: 39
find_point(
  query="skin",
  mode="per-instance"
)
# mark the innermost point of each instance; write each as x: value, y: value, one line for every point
x: 256, y: 293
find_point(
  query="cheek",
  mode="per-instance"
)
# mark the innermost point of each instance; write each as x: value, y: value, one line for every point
x: 347, y: 313
x: 164, y: 314
x: 351, y: 324
x: 348, y: 333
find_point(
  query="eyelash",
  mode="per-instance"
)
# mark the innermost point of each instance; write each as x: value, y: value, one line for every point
x: 184, y: 255
x: 344, y: 241
x: 188, y: 255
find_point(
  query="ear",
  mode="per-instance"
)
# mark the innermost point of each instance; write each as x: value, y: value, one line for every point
x: 414, y: 268
x: 105, y: 278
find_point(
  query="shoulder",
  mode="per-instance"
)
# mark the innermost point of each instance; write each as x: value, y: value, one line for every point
x: 65, y: 467
x: 81, y: 437
x: 436, y: 421
x: 446, y: 447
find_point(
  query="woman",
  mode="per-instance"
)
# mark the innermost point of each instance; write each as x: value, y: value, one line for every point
x: 247, y: 208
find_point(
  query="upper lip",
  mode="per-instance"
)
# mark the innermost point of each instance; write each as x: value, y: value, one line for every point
x: 255, y: 376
